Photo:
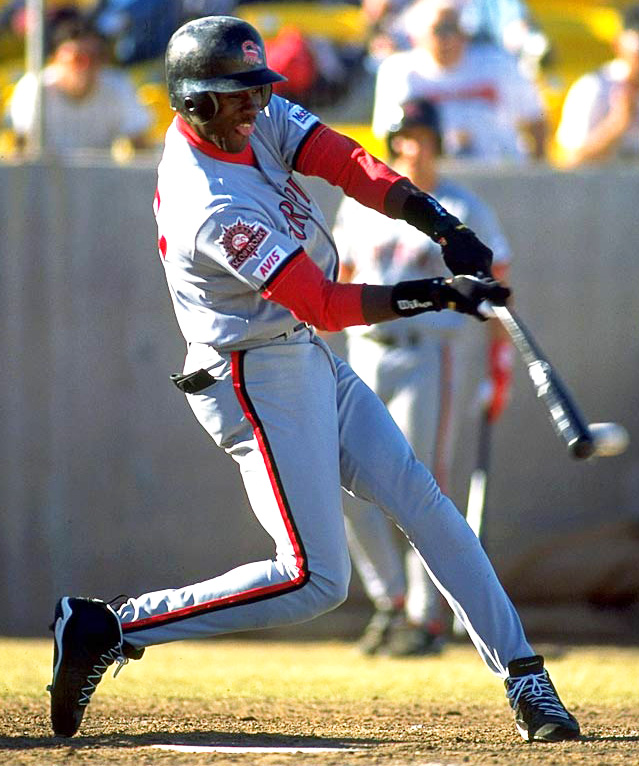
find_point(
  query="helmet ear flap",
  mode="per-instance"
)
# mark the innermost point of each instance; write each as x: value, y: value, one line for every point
x: 200, y: 107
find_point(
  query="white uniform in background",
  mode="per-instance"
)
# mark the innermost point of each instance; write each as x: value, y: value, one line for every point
x: 481, y: 101
x: 415, y: 367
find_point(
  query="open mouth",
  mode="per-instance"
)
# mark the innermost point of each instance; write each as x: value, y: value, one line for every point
x: 245, y: 129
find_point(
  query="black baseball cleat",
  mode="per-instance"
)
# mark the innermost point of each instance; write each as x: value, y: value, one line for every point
x: 87, y: 639
x: 539, y: 713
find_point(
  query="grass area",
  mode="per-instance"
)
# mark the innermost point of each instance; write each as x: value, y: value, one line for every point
x: 313, y: 671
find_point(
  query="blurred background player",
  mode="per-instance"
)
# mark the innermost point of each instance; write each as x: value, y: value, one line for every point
x: 87, y: 105
x: 600, y: 114
x: 490, y: 110
x: 416, y: 368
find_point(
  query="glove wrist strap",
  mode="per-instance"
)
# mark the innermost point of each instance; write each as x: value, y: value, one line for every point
x: 426, y: 214
x: 417, y: 296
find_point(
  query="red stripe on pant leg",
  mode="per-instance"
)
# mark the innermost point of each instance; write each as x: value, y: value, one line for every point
x: 237, y: 369
x: 255, y: 594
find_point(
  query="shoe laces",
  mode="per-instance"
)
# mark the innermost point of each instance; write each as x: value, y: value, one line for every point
x: 537, y: 690
x: 114, y: 654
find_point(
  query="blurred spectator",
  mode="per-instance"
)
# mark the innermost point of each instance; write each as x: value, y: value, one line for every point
x: 600, y: 114
x: 507, y: 23
x: 137, y: 29
x: 86, y: 104
x: 490, y: 110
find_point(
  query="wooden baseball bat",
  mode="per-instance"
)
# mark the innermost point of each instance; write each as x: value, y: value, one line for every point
x: 565, y: 416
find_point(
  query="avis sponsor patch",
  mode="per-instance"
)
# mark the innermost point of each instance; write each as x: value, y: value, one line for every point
x: 301, y: 117
x: 270, y: 262
x: 241, y: 240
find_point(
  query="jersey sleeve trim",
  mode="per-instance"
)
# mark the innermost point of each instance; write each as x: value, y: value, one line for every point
x: 301, y: 287
x: 305, y: 139
x: 268, y: 282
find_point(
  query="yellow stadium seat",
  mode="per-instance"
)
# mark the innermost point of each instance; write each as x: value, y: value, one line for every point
x: 343, y: 24
x: 363, y: 134
x: 155, y: 97
x: 581, y: 34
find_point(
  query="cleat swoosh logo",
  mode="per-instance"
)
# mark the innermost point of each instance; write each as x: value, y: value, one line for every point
x: 60, y: 625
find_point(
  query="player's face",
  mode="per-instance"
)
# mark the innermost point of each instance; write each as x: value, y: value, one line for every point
x: 234, y: 121
x: 416, y: 148
x: 444, y: 37
x: 76, y: 65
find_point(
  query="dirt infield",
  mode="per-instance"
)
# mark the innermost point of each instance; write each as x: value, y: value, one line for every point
x: 322, y: 698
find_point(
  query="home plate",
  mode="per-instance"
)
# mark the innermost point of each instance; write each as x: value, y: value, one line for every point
x: 251, y: 749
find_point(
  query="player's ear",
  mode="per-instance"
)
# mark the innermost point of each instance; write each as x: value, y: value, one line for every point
x: 200, y: 108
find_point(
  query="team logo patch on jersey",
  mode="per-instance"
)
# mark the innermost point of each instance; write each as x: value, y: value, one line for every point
x: 241, y: 240
x: 251, y: 53
x: 270, y: 262
x: 301, y: 117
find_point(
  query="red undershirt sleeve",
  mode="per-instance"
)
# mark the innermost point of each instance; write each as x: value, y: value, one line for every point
x: 302, y: 288
x: 342, y: 162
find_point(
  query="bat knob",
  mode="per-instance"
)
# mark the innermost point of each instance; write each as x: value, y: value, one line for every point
x: 582, y: 448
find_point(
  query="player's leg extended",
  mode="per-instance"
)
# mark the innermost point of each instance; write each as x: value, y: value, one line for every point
x: 275, y: 413
x: 379, y: 465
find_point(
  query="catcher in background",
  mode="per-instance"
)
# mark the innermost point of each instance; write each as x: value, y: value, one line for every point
x: 416, y: 367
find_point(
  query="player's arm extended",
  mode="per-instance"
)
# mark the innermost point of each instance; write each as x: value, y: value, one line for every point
x: 303, y: 289
x: 343, y: 162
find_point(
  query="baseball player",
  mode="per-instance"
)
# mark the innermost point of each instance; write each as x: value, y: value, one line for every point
x: 415, y: 367
x: 250, y: 265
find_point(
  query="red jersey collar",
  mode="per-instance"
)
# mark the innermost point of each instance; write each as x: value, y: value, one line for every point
x: 245, y: 157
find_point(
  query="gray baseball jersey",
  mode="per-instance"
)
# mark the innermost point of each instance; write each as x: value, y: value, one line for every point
x: 295, y: 418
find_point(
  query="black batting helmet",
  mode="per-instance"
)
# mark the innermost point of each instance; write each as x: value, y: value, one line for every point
x: 215, y: 54
x: 417, y: 112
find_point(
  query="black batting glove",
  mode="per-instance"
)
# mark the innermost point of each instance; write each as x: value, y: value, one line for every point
x: 462, y: 293
x: 462, y: 250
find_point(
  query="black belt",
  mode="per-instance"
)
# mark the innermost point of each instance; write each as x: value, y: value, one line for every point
x: 194, y: 382
x: 288, y: 333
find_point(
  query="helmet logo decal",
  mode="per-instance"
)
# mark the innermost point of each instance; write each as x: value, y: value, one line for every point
x: 241, y: 240
x: 251, y: 53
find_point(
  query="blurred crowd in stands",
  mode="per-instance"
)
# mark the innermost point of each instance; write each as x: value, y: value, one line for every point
x: 487, y: 64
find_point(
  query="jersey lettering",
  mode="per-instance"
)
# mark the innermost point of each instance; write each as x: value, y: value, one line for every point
x: 296, y: 209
